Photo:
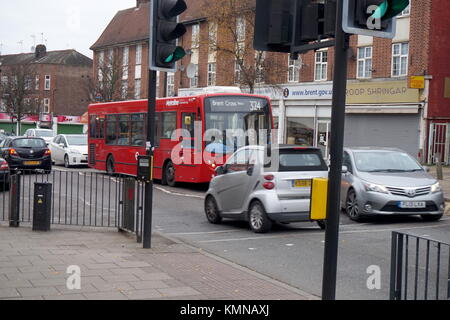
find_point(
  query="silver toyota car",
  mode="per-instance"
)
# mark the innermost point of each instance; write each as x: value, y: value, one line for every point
x: 265, y: 187
x: 387, y: 181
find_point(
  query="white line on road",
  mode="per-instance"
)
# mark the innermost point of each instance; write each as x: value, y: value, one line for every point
x: 317, y: 233
x: 200, y: 233
x: 179, y: 194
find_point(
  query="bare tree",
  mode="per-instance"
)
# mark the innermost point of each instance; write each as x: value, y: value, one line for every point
x: 18, y: 92
x: 107, y: 85
x: 232, y: 25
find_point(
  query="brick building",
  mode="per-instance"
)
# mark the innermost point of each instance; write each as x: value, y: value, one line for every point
x: 382, y: 108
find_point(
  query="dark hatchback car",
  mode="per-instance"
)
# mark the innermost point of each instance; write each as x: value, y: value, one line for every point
x: 4, y: 174
x: 23, y: 153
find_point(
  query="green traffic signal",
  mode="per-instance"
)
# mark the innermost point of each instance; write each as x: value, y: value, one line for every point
x: 178, y: 54
x: 389, y: 9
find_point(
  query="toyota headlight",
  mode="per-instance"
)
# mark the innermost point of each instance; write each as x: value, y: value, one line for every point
x: 375, y: 188
x: 74, y: 151
x: 436, y: 188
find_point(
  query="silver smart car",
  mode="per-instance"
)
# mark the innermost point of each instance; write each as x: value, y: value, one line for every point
x: 387, y: 181
x: 263, y: 187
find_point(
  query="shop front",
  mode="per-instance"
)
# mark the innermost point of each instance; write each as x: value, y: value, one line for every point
x: 378, y: 113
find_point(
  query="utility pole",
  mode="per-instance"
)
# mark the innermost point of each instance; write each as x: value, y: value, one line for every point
x: 336, y: 152
x: 148, y: 216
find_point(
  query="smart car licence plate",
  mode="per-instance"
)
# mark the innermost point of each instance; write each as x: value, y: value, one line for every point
x: 412, y: 205
x: 301, y: 183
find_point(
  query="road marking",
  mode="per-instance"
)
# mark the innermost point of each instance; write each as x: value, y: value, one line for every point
x: 179, y: 194
x: 321, y: 233
x: 200, y: 233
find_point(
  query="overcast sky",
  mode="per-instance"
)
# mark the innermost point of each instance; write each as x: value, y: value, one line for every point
x: 65, y: 24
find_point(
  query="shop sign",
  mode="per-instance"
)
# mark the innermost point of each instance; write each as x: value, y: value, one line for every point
x: 417, y: 82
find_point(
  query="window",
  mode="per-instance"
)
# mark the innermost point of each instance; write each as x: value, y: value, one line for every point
x: 194, y: 80
x: 294, y: 70
x: 101, y: 58
x: 364, y: 62
x: 139, y: 54
x: 400, y: 59
x: 170, y: 84
x: 138, y: 130
x: 4, y: 80
x: 111, y: 129
x: 124, y: 89
x: 36, y: 83
x: 212, y: 35
x: 169, y: 124
x: 196, y: 35
x: 27, y: 83
x: 187, y: 123
x: 126, y: 55
x: 138, y: 68
x: 211, y: 74
x: 240, y: 29
x: 46, y: 105
x: 137, y: 89
x: 320, y: 71
x: 260, y: 59
x: 239, y: 162
x: 124, y: 130
x: 2, y: 105
x: 347, y: 162
x: 237, y: 73
x: 47, y: 82
x: 300, y: 131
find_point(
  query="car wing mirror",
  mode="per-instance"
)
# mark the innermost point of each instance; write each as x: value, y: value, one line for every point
x: 250, y: 171
x: 427, y: 169
x: 344, y: 169
x: 220, y: 170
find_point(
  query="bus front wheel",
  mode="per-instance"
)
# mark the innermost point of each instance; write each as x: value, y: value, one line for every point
x: 169, y: 175
x: 110, y: 170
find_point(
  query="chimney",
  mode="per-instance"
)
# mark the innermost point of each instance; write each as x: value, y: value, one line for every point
x: 41, y: 51
x: 140, y: 2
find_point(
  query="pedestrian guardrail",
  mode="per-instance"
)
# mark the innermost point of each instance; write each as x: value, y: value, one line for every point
x: 420, y: 268
x: 90, y: 199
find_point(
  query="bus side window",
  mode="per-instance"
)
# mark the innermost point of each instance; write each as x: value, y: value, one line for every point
x: 101, y: 129
x: 111, y: 129
x: 92, y: 126
x: 157, y: 128
x: 124, y: 130
x: 137, y: 130
x: 169, y: 124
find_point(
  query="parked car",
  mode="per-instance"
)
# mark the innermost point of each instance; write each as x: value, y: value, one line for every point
x: 265, y: 189
x: 24, y: 153
x: 69, y: 150
x: 387, y: 181
x: 4, y: 175
x: 45, y: 134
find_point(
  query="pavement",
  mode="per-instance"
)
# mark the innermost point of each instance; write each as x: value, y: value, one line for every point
x: 34, y: 266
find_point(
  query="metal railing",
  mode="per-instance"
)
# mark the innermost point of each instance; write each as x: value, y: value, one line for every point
x: 90, y: 199
x: 420, y: 268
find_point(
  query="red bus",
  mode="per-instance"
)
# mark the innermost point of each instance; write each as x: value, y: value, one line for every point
x: 188, y: 132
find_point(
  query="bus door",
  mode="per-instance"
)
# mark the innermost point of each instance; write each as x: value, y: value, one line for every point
x: 187, y: 170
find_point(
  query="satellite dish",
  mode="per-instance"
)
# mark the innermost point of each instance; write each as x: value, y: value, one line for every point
x: 191, y: 70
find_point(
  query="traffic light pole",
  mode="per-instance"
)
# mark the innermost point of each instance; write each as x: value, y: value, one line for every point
x: 336, y: 152
x: 148, y: 213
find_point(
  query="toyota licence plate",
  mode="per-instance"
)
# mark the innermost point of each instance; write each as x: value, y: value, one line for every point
x: 301, y: 183
x: 412, y: 204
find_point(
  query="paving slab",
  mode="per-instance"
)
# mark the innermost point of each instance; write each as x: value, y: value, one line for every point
x: 114, y: 267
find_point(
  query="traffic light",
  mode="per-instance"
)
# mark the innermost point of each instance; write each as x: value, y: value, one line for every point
x: 164, y: 32
x: 374, y: 18
x: 282, y: 25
